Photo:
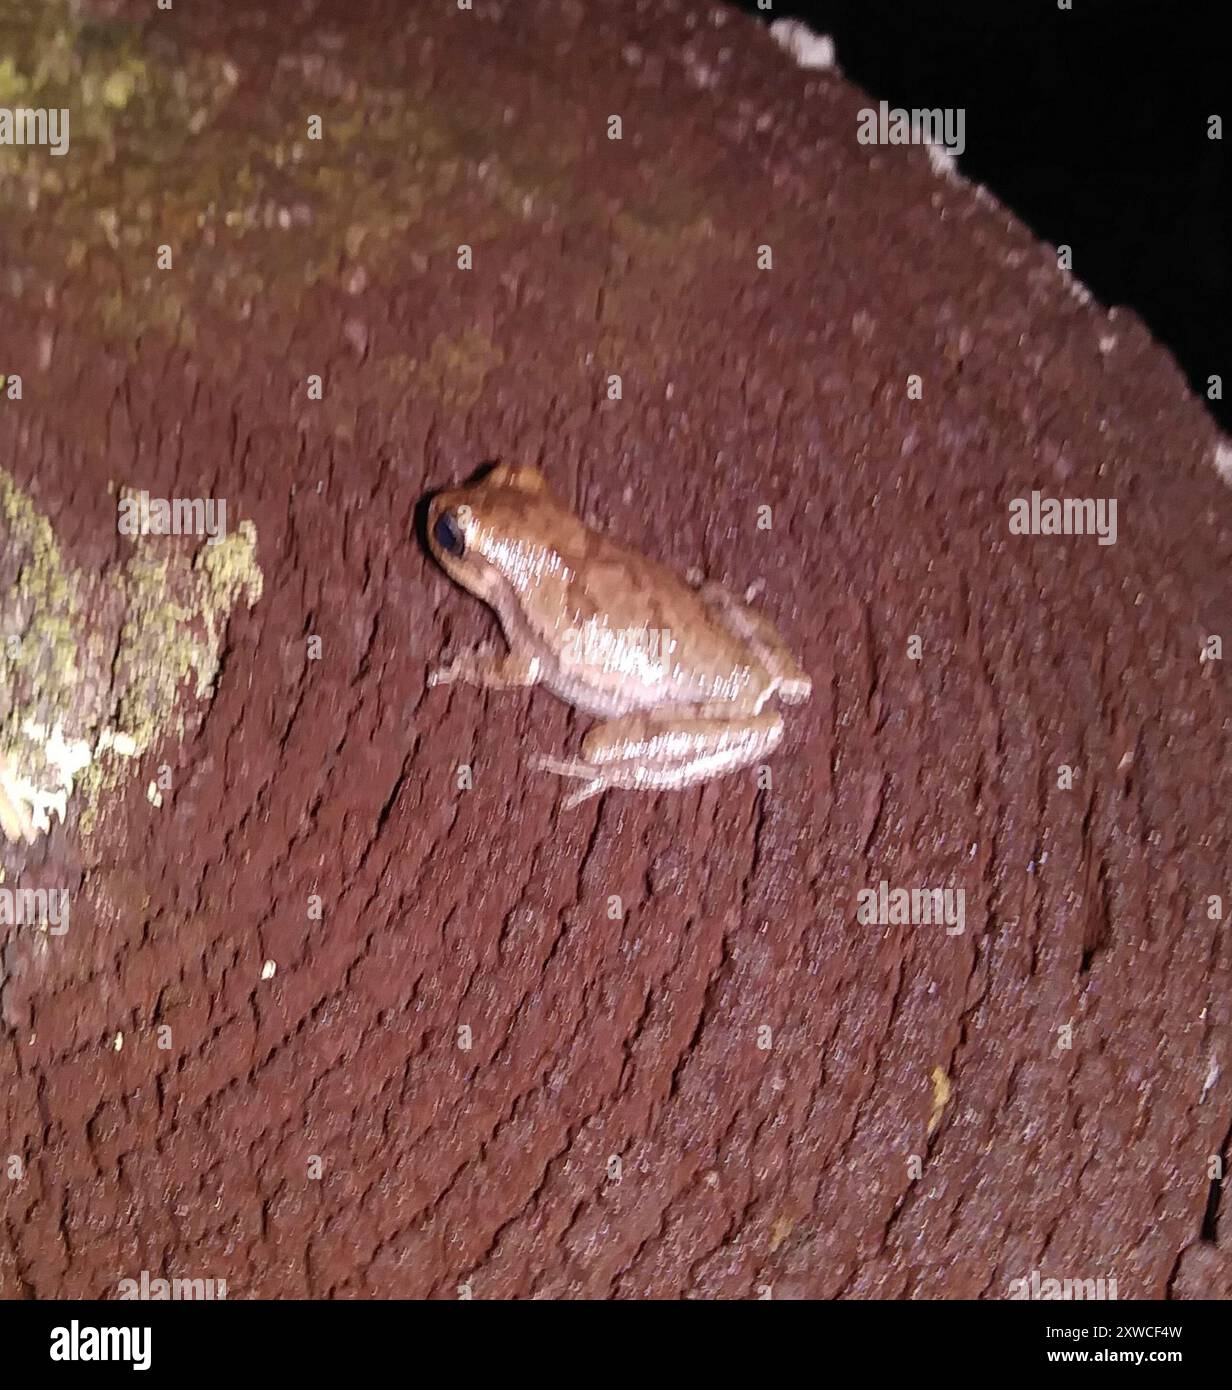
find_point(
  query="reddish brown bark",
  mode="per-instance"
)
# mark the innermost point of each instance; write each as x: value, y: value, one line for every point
x: 742, y: 1168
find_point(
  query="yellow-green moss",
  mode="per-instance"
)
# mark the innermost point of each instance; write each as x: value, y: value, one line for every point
x: 172, y: 611
x: 44, y: 597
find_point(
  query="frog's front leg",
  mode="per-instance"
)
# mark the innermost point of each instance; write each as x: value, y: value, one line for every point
x: 647, y: 752
x: 491, y: 668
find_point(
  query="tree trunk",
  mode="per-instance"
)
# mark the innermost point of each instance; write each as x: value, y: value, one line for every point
x: 325, y: 1023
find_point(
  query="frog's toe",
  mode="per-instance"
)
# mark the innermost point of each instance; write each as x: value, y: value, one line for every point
x: 563, y: 767
x: 595, y: 782
x: 583, y: 794
x: 794, y: 690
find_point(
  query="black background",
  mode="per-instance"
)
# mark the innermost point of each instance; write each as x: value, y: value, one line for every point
x: 1091, y: 125
x: 348, y: 1341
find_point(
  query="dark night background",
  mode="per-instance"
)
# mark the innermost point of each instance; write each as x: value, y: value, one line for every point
x: 1091, y: 125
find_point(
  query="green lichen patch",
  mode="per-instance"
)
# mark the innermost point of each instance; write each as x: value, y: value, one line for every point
x: 95, y: 671
x: 39, y: 617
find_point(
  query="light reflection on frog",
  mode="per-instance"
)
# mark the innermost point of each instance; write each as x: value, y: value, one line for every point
x: 679, y: 674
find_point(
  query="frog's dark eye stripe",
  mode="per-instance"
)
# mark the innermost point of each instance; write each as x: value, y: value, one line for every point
x: 448, y: 535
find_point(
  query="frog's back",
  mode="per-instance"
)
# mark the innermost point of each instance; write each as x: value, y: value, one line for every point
x: 637, y: 636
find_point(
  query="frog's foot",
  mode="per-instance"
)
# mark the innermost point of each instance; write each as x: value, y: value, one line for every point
x: 488, y: 666
x: 593, y: 776
x: 464, y: 667
x: 15, y: 819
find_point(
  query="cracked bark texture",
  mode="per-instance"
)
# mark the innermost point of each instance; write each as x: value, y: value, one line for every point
x: 743, y: 1168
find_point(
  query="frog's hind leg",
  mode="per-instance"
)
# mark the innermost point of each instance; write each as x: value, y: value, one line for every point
x: 792, y: 684
x: 657, y: 752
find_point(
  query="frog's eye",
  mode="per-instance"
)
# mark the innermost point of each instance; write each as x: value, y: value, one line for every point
x: 448, y: 535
